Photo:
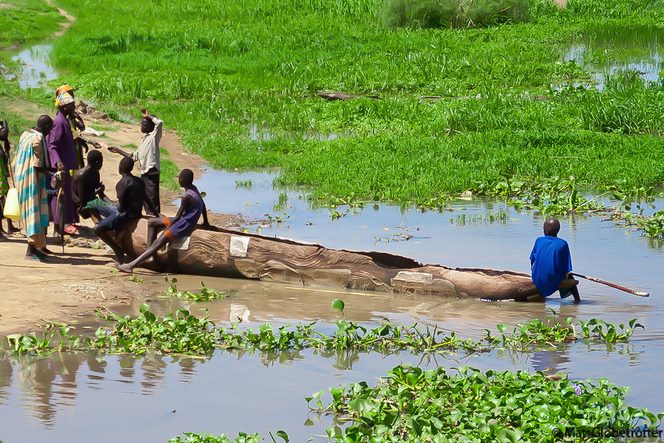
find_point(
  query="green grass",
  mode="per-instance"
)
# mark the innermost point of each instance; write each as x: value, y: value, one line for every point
x: 453, y: 13
x: 25, y: 21
x: 22, y: 22
x: 169, y: 172
x: 214, y: 69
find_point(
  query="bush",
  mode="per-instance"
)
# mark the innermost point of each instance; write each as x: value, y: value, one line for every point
x: 452, y: 13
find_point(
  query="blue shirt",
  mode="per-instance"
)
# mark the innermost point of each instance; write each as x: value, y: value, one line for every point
x: 550, y: 261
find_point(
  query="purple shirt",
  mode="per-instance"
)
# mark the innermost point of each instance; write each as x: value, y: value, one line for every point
x: 61, y: 146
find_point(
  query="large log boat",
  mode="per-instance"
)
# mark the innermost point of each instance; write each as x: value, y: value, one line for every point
x: 227, y: 253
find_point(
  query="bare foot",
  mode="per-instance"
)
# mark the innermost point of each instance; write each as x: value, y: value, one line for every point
x: 125, y: 268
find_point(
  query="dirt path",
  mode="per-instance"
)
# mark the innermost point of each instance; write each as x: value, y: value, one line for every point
x: 68, y: 23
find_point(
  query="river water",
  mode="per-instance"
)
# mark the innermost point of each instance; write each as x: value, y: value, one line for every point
x: 73, y: 396
x: 83, y: 397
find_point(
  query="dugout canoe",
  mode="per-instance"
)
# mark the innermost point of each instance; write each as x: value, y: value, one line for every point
x: 226, y: 253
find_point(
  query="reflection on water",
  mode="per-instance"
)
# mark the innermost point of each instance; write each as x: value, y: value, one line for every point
x: 36, y: 67
x: 604, y: 53
x: 71, y: 397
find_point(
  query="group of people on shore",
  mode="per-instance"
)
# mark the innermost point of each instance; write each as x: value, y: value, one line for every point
x: 56, y: 179
x: 55, y: 184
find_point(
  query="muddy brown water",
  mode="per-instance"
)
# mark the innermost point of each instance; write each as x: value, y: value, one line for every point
x: 80, y: 397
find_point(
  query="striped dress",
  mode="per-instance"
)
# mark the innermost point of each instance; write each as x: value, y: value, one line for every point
x: 30, y: 184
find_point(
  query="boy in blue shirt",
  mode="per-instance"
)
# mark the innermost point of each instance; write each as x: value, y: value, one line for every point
x: 551, y: 263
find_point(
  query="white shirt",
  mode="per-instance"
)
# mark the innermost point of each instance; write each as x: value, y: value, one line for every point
x: 147, y: 153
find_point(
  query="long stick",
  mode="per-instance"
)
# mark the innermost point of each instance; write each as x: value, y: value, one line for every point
x: 613, y: 285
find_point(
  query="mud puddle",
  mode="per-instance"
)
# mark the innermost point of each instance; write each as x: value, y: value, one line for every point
x: 35, y: 67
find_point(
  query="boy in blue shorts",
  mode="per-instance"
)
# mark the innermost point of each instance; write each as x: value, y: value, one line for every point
x: 183, y: 224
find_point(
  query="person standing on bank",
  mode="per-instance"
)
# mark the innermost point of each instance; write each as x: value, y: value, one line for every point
x: 77, y: 126
x: 63, y: 157
x: 551, y: 263
x: 147, y: 155
x: 30, y: 172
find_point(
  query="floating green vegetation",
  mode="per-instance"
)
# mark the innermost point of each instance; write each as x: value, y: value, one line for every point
x: 452, y: 13
x: 538, y: 333
x: 282, y: 203
x: 651, y: 226
x: 244, y: 184
x: 415, y: 405
x: 463, y: 219
x: 203, y: 294
x: 179, y: 333
x: 190, y: 437
x: 608, y: 332
x: 349, y: 335
x: 184, y: 333
x: 56, y: 337
x: 551, y: 196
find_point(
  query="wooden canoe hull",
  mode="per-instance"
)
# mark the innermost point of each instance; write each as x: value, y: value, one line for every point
x: 226, y: 253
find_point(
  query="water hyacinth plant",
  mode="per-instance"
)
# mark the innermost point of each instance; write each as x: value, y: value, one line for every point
x: 203, y: 294
x: 415, y: 405
x: 184, y: 333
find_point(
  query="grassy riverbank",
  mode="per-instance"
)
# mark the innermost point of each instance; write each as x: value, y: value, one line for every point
x: 25, y: 21
x: 238, y: 81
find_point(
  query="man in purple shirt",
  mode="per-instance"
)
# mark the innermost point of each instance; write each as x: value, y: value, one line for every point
x: 62, y: 154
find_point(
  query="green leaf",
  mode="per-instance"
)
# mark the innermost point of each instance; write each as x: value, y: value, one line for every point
x: 338, y: 304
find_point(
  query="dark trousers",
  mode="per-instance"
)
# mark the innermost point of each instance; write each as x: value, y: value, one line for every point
x: 151, y: 203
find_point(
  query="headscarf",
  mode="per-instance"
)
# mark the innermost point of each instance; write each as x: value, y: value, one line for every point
x: 63, y: 99
x: 63, y: 88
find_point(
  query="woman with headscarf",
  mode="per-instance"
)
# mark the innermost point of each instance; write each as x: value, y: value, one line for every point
x: 62, y: 152
x: 77, y: 126
x: 30, y: 175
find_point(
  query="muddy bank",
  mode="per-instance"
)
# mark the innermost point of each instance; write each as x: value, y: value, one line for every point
x: 82, y: 279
